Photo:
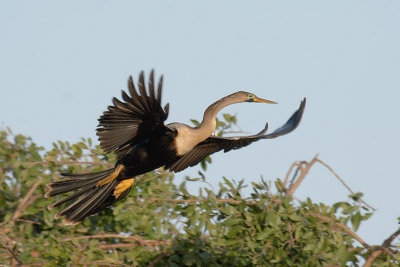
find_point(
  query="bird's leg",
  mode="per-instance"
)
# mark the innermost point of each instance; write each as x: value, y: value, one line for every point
x: 112, y: 176
x: 123, y: 186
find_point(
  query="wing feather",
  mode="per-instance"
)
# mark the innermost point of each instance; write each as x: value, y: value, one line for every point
x: 131, y: 120
x: 142, y: 89
x: 214, y: 144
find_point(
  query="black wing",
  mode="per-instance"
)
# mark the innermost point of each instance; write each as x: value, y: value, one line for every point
x: 215, y: 143
x: 129, y: 122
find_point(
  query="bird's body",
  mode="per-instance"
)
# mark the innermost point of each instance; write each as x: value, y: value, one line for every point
x: 135, y: 130
x: 187, y: 137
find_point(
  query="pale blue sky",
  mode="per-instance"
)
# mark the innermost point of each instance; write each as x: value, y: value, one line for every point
x: 62, y: 62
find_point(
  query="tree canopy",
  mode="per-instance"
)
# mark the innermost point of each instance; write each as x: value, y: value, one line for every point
x: 161, y: 224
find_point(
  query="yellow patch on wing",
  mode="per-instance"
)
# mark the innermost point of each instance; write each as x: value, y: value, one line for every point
x: 112, y: 176
x: 123, y: 186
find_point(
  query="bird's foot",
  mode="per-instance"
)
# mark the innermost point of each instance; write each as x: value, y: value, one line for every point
x: 123, y: 186
x: 112, y: 176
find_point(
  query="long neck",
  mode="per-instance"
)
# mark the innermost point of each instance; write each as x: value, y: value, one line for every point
x: 207, y: 126
x: 189, y: 137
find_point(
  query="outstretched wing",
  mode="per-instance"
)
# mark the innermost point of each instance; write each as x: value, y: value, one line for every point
x: 131, y: 121
x: 215, y: 143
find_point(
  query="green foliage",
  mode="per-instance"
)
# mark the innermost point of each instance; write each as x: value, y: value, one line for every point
x: 160, y: 223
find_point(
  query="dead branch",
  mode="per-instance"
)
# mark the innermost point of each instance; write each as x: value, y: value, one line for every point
x: 227, y: 200
x: 76, y: 162
x: 99, y: 236
x: 304, y: 170
x: 294, y: 164
x: 145, y: 243
x: 290, y: 230
x: 139, y: 241
x: 27, y: 221
x: 103, y: 263
x: 26, y: 201
x: 341, y: 226
x: 384, y: 247
x: 343, y: 182
x: 12, y: 253
x: 158, y: 258
x: 303, y: 174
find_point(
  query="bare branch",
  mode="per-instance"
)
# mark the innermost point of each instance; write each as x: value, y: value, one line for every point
x: 304, y: 170
x: 342, y: 226
x: 298, y: 169
x: 384, y: 247
x: 290, y: 230
x: 145, y: 243
x: 139, y: 241
x: 27, y: 221
x: 12, y: 253
x: 99, y: 236
x: 26, y: 201
x: 342, y: 181
x: 227, y: 200
x: 103, y: 263
x: 303, y: 174
x: 159, y: 257
x: 294, y: 164
x: 76, y: 162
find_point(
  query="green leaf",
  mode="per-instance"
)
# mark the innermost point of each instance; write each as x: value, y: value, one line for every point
x: 294, y: 217
x: 356, y: 220
x: 227, y: 117
x: 279, y: 186
x: 195, y: 122
x: 222, y: 227
x: 187, y: 178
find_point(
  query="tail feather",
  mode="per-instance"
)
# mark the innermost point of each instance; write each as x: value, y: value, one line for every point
x: 80, y: 201
x: 89, y: 197
x: 110, y: 202
x: 83, y: 190
x: 65, y: 186
x: 87, y: 175
x: 90, y: 203
x: 61, y: 189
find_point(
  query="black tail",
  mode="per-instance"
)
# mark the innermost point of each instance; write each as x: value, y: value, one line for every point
x: 91, y: 198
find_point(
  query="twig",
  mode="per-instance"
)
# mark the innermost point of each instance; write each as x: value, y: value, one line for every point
x: 294, y: 164
x: 27, y: 221
x: 103, y: 263
x: 299, y: 169
x: 147, y: 243
x: 290, y: 230
x: 386, y: 244
x: 227, y: 200
x: 138, y: 239
x: 303, y: 174
x: 76, y: 162
x: 99, y: 236
x: 26, y: 201
x: 159, y: 257
x: 304, y: 170
x: 342, y: 226
x: 13, y: 254
x: 342, y: 181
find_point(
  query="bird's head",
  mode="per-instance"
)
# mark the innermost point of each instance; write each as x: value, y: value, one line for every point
x: 250, y: 97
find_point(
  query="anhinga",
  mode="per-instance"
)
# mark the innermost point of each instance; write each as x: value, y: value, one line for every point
x: 134, y: 128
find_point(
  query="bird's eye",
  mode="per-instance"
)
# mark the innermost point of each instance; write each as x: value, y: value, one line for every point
x: 250, y: 96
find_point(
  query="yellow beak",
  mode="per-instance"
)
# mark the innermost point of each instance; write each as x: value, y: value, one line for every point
x: 260, y: 100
